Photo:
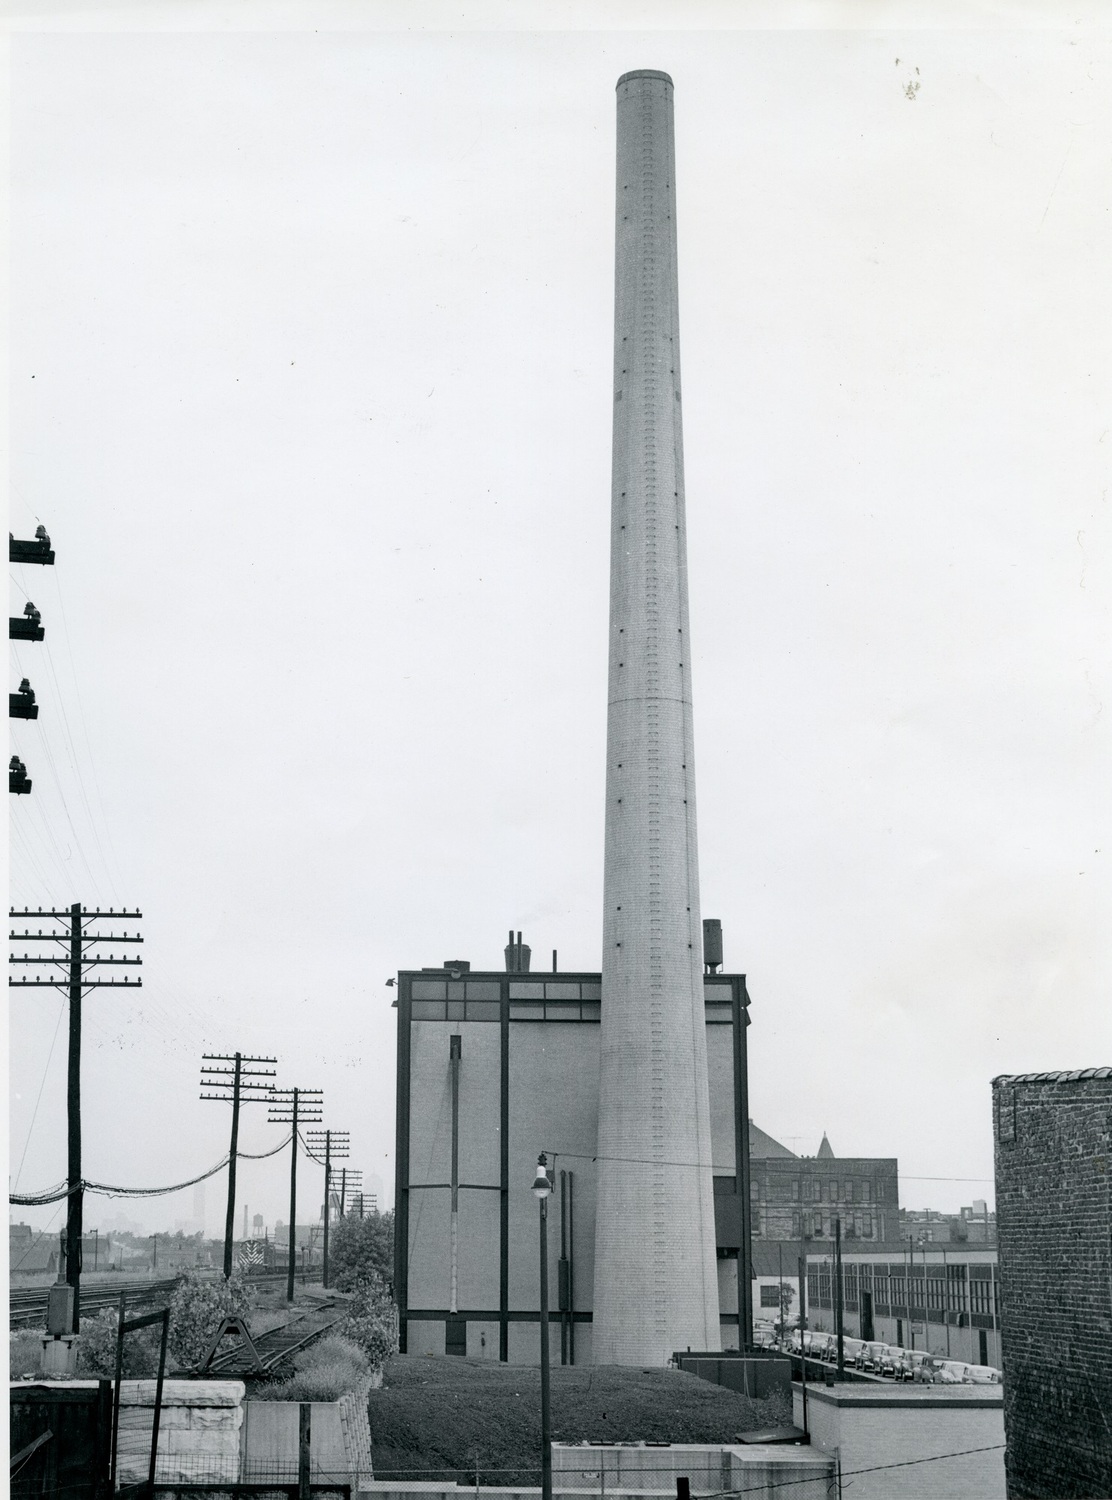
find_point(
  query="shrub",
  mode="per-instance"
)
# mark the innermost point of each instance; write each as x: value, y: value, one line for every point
x: 96, y: 1348
x: 196, y: 1310
x: 372, y: 1319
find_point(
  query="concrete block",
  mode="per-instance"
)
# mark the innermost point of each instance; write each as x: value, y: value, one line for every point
x: 183, y: 1392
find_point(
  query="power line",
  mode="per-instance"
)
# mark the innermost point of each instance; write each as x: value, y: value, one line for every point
x: 113, y: 1190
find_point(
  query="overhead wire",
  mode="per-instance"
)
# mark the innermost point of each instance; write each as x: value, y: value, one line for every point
x: 115, y: 1190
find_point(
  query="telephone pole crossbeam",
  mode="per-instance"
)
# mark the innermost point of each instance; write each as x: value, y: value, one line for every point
x: 294, y: 1106
x: 337, y: 1144
x: 75, y: 966
x: 240, y: 1090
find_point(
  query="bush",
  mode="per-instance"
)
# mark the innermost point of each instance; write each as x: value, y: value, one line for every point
x: 96, y: 1347
x: 372, y: 1319
x: 362, y: 1247
x: 197, y: 1309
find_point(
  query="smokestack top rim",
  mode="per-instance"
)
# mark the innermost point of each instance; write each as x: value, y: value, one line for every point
x: 645, y: 73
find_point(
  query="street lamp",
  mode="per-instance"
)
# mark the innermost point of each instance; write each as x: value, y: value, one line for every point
x: 542, y: 1187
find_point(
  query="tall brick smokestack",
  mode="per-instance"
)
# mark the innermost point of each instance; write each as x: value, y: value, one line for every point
x: 656, y: 1286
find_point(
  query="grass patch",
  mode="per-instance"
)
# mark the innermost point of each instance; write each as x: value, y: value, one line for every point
x: 324, y: 1371
x: 436, y: 1417
x: 24, y: 1352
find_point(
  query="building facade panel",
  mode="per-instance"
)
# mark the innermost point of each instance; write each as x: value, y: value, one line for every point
x: 720, y: 1075
x: 553, y: 1108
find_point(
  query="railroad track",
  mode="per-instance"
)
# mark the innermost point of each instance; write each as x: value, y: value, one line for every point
x: 27, y: 1305
x: 273, y: 1346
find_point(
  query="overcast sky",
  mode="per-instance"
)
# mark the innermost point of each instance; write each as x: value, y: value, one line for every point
x: 310, y: 383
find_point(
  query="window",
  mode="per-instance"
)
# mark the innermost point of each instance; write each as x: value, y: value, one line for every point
x: 754, y: 1191
x: 795, y: 1225
x: 980, y: 1292
x: 865, y: 1192
x: 849, y: 1190
x: 770, y: 1295
x: 795, y: 1189
x: 816, y: 1190
x: 832, y: 1191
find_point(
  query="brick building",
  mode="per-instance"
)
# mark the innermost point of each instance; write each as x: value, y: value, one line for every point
x: 1054, y: 1232
x: 797, y: 1197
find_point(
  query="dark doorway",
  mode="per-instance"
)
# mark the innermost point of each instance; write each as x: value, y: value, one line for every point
x: 867, y: 1316
x: 455, y: 1336
x: 982, y: 1336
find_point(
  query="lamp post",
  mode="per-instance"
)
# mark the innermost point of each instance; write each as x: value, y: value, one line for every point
x: 542, y: 1187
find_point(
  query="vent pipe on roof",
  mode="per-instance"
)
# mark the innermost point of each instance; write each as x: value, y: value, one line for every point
x: 517, y: 955
x: 712, y: 944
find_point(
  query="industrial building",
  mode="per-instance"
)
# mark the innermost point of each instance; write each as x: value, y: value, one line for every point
x: 918, y: 1296
x: 494, y: 1068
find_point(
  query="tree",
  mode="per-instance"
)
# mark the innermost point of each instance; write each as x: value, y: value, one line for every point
x: 362, y: 1249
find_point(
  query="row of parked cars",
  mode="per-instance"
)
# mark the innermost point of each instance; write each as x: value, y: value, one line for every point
x: 887, y: 1359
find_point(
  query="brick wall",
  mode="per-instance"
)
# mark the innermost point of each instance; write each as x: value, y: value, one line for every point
x: 1053, y: 1147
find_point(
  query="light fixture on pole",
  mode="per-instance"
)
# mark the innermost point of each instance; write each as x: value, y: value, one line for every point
x: 542, y: 1187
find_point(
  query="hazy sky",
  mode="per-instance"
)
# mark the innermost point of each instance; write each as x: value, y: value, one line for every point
x: 310, y: 383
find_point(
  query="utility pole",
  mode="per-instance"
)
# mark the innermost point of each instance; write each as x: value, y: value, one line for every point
x: 73, y: 958
x: 336, y: 1143
x: 350, y: 1178
x: 240, y: 1085
x: 294, y: 1107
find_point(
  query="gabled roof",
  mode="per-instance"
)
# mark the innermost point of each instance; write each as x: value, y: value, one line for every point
x: 40, y: 1255
x: 826, y: 1150
x: 763, y: 1146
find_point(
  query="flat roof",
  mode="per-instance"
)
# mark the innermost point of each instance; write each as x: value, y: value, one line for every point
x: 917, y: 1396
